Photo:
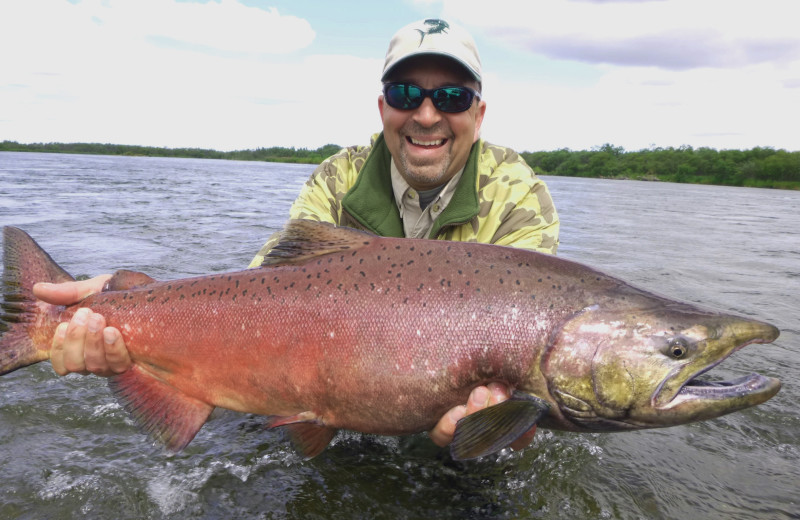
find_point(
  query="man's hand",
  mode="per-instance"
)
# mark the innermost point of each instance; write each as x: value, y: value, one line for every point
x: 83, y: 345
x: 480, y: 398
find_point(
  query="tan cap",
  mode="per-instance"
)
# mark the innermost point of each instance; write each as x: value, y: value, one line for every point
x: 433, y: 36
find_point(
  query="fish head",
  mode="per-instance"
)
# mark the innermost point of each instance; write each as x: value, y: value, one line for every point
x: 614, y: 367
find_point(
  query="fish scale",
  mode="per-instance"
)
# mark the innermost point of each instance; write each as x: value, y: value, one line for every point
x: 342, y: 329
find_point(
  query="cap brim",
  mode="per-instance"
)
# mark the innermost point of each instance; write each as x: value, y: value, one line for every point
x: 465, y: 66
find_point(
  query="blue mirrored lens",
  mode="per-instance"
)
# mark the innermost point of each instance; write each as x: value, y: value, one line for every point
x: 404, y: 96
x: 452, y: 99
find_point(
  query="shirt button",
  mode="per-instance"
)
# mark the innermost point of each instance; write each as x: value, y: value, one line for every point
x: 436, y: 208
x: 412, y: 194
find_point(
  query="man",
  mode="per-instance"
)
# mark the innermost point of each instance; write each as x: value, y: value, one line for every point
x: 427, y: 175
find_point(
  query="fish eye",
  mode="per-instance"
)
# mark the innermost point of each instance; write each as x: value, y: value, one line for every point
x: 677, y: 348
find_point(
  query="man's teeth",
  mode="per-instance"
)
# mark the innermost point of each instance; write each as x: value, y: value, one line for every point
x: 426, y: 143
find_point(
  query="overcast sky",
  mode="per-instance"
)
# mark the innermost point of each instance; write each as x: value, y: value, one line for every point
x: 232, y: 74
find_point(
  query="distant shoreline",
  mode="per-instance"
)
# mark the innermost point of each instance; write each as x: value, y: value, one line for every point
x: 274, y: 154
x: 757, y: 167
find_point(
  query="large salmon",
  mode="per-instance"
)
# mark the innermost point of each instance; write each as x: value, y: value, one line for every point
x: 342, y: 329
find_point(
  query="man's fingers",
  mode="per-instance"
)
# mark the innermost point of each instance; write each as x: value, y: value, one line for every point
x: 69, y: 293
x: 478, y: 399
x: 57, y: 349
x: 94, y: 353
x: 117, y: 355
x: 497, y: 393
x: 442, y: 433
x: 74, y: 360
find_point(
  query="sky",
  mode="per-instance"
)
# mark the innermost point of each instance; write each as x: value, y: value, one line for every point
x: 244, y: 74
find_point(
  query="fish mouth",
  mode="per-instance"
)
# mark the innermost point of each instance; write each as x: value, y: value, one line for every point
x: 702, y: 398
x: 752, y: 385
x: 699, y: 400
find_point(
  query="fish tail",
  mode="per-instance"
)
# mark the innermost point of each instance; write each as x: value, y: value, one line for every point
x: 25, y: 329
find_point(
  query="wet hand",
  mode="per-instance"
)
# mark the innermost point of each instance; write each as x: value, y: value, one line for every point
x: 83, y: 345
x: 480, y: 398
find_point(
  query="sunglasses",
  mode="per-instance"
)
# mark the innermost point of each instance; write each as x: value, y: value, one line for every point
x: 407, y: 96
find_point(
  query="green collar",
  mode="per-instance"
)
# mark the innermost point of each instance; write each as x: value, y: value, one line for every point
x: 371, y: 201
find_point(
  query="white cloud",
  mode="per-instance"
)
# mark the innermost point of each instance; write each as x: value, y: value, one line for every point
x: 174, y: 74
x: 673, y: 34
x: 638, y: 107
x: 117, y: 37
x: 711, y: 73
x: 225, y: 25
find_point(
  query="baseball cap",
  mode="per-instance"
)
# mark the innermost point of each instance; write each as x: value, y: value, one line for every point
x: 433, y: 36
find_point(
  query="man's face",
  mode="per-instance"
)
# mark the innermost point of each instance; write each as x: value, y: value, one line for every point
x: 428, y: 146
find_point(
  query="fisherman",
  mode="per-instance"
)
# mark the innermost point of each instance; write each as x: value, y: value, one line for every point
x: 427, y: 175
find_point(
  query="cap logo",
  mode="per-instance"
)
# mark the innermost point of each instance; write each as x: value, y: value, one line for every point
x: 436, y: 27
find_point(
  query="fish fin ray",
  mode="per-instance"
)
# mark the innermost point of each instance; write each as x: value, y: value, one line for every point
x: 310, y: 439
x: 495, y: 427
x: 304, y: 239
x: 124, y: 280
x: 24, y: 263
x: 306, y: 432
x: 167, y: 415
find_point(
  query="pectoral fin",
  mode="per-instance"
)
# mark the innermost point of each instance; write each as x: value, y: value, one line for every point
x: 493, y: 428
x: 307, y: 433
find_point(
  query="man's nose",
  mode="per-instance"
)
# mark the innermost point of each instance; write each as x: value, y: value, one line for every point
x: 426, y: 114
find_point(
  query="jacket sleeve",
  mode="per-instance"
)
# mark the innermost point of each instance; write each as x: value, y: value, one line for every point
x: 532, y: 223
x: 516, y: 207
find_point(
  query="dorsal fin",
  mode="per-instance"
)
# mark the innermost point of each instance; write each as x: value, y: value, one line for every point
x: 305, y: 239
x: 125, y: 280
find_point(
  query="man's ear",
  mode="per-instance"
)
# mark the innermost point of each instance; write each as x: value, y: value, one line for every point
x: 479, y: 120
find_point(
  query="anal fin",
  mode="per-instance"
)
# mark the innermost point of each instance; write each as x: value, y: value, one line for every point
x: 492, y: 429
x: 163, y: 412
x: 306, y: 432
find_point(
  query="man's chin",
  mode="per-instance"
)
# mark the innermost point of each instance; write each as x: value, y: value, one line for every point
x: 424, y: 174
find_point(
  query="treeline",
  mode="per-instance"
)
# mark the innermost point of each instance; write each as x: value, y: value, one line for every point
x: 758, y: 167
x: 273, y: 154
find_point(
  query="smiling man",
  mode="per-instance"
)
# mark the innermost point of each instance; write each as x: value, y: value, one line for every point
x: 427, y: 175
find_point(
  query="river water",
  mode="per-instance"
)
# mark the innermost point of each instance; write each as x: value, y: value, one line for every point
x: 67, y: 448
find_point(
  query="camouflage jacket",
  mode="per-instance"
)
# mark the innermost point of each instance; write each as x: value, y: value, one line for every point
x: 499, y: 200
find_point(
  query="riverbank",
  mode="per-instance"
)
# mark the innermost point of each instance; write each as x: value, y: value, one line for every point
x: 758, y: 167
